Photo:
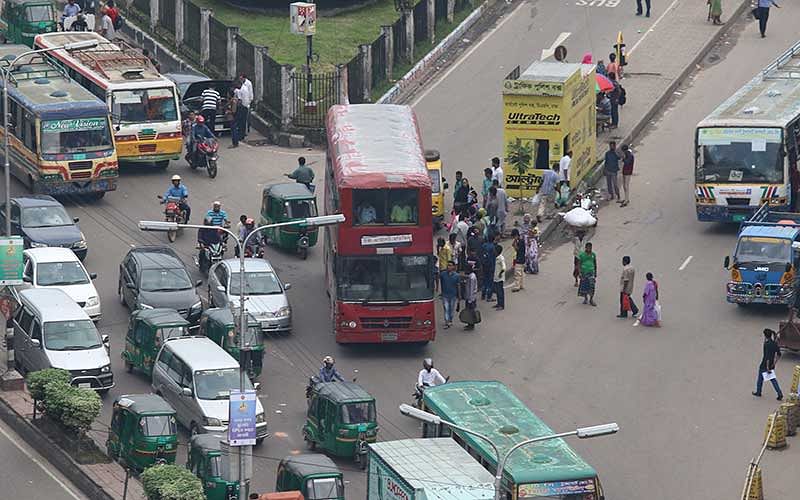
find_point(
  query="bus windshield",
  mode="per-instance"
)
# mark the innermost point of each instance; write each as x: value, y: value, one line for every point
x: 764, y: 250
x: 144, y: 105
x: 739, y: 155
x: 393, y: 278
x: 76, y: 135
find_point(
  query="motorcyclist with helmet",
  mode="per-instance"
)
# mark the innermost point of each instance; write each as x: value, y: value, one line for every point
x: 205, y: 238
x: 328, y: 372
x: 181, y: 192
x: 429, y: 376
x: 255, y: 242
x: 200, y: 131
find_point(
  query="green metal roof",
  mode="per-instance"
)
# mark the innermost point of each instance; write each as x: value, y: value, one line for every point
x: 144, y: 403
x: 161, y: 317
x: 343, y: 392
x: 288, y: 190
x: 207, y: 442
x: 309, y: 464
x: 490, y: 408
x: 224, y: 315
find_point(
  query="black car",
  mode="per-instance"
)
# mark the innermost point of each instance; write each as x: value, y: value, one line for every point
x: 190, y: 86
x: 154, y: 276
x: 43, y: 222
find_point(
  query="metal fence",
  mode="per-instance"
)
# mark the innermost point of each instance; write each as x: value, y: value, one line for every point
x: 421, y: 21
x: 218, y: 45
x: 378, y: 48
x: 191, y: 28
x: 272, y: 98
x: 166, y: 15
x: 324, y: 94
x: 245, y: 57
x: 440, y: 10
x: 355, y: 79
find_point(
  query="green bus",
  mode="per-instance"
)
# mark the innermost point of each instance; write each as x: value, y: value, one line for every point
x: 548, y: 469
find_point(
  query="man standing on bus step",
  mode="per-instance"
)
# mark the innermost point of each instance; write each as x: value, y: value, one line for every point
x: 210, y: 99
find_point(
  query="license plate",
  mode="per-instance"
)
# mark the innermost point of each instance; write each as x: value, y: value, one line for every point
x: 85, y: 385
x: 739, y: 218
x: 388, y: 337
x: 265, y: 324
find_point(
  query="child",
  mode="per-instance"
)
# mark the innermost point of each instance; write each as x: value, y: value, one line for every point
x: 499, y: 277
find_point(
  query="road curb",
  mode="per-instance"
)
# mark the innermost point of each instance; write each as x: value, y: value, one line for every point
x: 54, y: 454
x: 595, y: 175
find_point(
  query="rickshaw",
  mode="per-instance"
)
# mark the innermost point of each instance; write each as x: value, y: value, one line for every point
x: 220, y: 325
x: 287, y: 202
x: 143, y: 431
x: 341, y: 420
x: 205, y: 459
x: 22, y: 20
x: 148, y: 329
x: 313, y: 474
x: 438, y: 186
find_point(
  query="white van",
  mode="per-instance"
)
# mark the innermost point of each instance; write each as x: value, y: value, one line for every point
x: 52, y: 331
x: 195, y: 376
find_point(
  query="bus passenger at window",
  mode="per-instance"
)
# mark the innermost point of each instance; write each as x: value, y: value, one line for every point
x: 366, y: 213
x: 401, y: 213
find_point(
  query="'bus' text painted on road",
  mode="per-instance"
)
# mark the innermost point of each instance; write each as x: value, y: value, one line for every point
x: 597, y: 3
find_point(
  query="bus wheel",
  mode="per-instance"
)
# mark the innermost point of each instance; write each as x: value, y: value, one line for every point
x: 163, y: 164
x: 99, y: 195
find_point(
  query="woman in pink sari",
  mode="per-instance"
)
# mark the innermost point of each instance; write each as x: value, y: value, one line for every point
x: 650, y: 313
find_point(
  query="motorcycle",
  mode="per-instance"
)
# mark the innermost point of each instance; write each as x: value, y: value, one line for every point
x: 210, y: 255
x: 173, y: 213
x: 303, y: 243
x: 419, y: 392
x: 254, y: 250
x: 205, y: 156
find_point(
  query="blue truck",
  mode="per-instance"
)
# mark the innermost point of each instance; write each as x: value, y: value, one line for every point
x: 766, y: 257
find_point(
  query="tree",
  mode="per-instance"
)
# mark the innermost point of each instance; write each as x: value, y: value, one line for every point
x: 171, y: 482
x: 520, y: 157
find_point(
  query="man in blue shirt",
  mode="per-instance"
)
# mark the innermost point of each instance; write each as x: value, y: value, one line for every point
x: 328, y: 372
x: 450, y: 281
x: 547, y: 193
x: 217, y: 215
x: 180, y: 192
x: 70, y: 10
x: 762, y: 14
x: 611, y: 171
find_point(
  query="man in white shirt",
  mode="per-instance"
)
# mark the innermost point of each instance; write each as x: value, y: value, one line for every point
x: 247, y: 97
x: 107, y: 25
x: 497, y: 171
x: 429, y: 376
x: 563, y: 167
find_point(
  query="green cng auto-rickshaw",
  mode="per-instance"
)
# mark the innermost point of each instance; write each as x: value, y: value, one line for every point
x: 143, y: 431
x: 313, y: 474
x: 148, y: 329
x: 22, y: 20
x: 341, y: 420
x: 205, y: 461
x: 287, y: 202
x: 220, y: 325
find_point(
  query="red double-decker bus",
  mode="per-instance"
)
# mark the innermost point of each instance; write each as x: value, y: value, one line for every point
x: 379, y: 262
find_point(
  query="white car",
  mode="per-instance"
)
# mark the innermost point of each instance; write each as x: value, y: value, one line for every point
x: 60, y: 268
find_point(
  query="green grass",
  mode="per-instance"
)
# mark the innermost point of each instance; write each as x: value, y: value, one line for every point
x: 337, y: 37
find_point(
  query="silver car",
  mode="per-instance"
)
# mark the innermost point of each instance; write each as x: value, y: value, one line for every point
x: 265, y: 292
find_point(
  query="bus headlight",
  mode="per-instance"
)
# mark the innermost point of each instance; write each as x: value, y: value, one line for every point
x: 349, y: 324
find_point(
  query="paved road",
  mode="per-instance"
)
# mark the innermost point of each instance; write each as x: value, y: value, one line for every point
x: 681, y: 393
x: 25, y: 474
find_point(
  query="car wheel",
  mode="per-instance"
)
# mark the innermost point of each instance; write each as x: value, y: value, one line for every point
x: 259, y: 441
x: 121, y: 295
x: 163, y: 164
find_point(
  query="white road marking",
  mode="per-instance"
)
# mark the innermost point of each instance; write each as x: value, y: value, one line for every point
x: 558, y: 41
x: 597, y: 3
x: 466, y: 55
x: 685, y: 263
x: 37, y: 462
x: 651, y: 28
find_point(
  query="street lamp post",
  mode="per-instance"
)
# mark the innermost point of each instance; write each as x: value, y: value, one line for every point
x: 581, y: 432
x: 322, y: 220
x: 86, y: 44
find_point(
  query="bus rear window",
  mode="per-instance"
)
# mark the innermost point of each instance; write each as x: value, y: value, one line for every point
x: 385, y: 206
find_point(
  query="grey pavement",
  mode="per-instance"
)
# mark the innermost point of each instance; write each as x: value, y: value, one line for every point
x: 26, y: 474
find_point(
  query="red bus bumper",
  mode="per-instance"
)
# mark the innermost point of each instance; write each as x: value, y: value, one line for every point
x: 356, y: 323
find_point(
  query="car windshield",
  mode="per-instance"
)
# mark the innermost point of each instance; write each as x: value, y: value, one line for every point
x: 739, y: 155
x: 300, y: 209
x: 169, y: 332
x: 60, y: 274
x: 435, y: 175
x: 47, y: 216
x: 324, y: 488
x: 71, y: 335
x: 144, y: 105
x: 358, y: 413
x: 158, y: 425
x: 165, y: 280
x: 256, y: 283
x: 764, y: 250
x: 39, y: 13
x: 217, y: 384
x: 76, y: 135
x: 396, y: 278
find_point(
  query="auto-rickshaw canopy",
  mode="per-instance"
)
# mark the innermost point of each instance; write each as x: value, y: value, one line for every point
x: 309, y: 464
x: 144, y: 404
x: 160, y: 317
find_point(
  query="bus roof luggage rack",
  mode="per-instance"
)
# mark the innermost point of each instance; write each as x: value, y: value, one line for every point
x: 781, y: 67
x: 34, y: 67
x: 118, y: 56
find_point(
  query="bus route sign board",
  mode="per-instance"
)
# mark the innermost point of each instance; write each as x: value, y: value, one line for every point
x: 11, y: 260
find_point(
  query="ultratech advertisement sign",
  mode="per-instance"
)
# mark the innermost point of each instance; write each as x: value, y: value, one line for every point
x: 547, y: 111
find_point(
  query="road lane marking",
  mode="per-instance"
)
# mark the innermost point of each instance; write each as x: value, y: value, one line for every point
x: 685, y: 263
x: 651, y: 28
x: 37, y: 462
x: 466, y: 55
x: 597, y: 3
x: 558, y: 41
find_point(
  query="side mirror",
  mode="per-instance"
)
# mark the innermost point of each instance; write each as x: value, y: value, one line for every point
x: 198, y: 283
x: 76, y: 220
x: 220, y: 288
x: 27, y: 279
x: 35, y: 343
x: 186, y: 391
x: 93, y: 276
x: 130, y: 286
x: 727, y: 262
x: 106, y: 339
x: 257, y: 386
x: 287, y: 286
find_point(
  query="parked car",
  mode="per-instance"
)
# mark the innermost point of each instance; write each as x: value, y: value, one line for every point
x: 265, y: 292
x: 43, y: 222
x: 195, y: 376
x: 154, y: 276
x: 191, y: 85
x: 61, y: 269
x: 51, y: 331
